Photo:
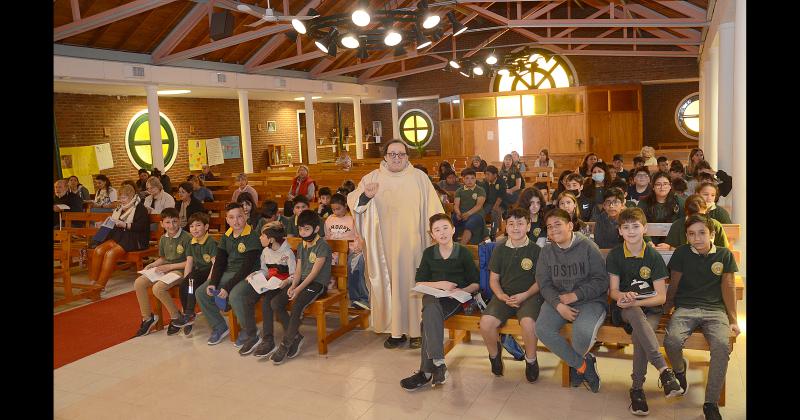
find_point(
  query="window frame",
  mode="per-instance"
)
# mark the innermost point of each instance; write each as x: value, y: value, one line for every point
x: 425, y: 116
x: 679, y: 115
x: 171, y: 141
x: 546, y: 75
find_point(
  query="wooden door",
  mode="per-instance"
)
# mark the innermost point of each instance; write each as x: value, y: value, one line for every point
x: 600, y: 136
x: 626, y: 130
x: 485, y: 145
x: 567, y: 133
x: 535, y: 135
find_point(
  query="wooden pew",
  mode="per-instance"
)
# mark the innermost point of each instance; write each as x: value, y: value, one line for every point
x: 62, y: 255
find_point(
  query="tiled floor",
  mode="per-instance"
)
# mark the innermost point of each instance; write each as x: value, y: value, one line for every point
x: 160, y: 377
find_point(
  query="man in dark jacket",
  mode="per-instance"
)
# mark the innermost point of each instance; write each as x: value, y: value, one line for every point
x: 63, y: 197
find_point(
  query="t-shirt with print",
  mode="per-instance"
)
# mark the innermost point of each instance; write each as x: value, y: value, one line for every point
x: 701, y: 276
x: 308, y: 253
x: 173, y: 249
x: 342, y: 228
x: 469, y: 198
x: 636, y: 271
x: 202, y: 251
x: 515, y: 266
x: 282, y: 260
x: 237, y: 247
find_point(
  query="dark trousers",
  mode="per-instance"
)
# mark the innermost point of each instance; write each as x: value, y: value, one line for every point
x: 434, y: 312
x: 250, y: 298
x: 187, y: 299
x: 302, y: 299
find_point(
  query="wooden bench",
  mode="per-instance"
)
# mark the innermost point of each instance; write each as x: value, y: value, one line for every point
x: 62, y: 254
x: 460, y: 327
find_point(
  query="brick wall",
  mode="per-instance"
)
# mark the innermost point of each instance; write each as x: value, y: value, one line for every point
x: 658, y: 114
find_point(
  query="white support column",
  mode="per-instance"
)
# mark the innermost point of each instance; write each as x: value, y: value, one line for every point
x: 311, y: 135
x: 739, y: 173
x: 725, y: 98
x: 395, y: 120
x: 710, y: 152
x: 359, y: 131
x: 154, y: 119
x: 701, y: 137
x: 244, y: 124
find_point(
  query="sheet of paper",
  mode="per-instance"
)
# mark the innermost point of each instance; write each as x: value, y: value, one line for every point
x: 261, y: 284
x: 214, y: 152
x: 63, y: 206
x: 103, y: 155
x: 197, y: 154
x: 429, y: 290
x: 152, y: 274
x: 460, y: 295
x: 109, y: 223
x: 231, y: 147
x: 170, y: 278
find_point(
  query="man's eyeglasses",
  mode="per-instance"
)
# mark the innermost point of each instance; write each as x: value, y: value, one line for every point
x: 397, y: 155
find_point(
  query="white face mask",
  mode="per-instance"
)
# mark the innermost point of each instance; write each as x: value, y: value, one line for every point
x: 599, y: 177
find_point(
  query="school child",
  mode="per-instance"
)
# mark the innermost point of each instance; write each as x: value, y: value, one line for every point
x: 695, y: 204
x: 634, y: 269
x: 450, y: 182
x: 299, y: 204
x: 680, y: 186
x: 495, y: 189
x: 314, y: 263
x: 595, y: 186
x: 340, y: 225
x: 199, y: 257
x: 606, y: 232
x: 617, y: 162
x: 641, y: 184
x: 702, y: 290
x: 468, y: 208
x: 574, y: 283
x: 567, y: 202
x: 574, y: 183
x: 448, y: 266
x: 710, y: 193
x: 676, y: 170
x: 560, y: 187
x: 324, y: 209
x: 516, y: 293
x: 663, y: 164
x: 512, y: 178
x: 661, y: 205
x: 532, y: 200
x: 237, y: 256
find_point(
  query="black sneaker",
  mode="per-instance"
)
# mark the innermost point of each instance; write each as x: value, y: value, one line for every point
x: 672, y: 388
x: 497, y: 361
x: 172, y: 330
x: 294, y: 348
x: 575, y: 378
x: 681, y: 377
x: 415, y: 381
x: 280, y: 355
x: 711, y: 411
x: 146, y: 326
x: 393, y: 343
x: 249, y: 345
x: 266, y: 348
x: 187, y: 330
x: 532, y: 371
x: 439, y: 375
x: 182, y: 320
x: 590, y: 376
x: 639, y: 403
x: 415, y: 342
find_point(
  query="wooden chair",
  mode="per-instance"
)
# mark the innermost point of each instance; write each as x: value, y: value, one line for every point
x: 62, y: 255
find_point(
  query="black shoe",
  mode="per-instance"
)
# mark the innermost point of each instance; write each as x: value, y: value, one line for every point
x: 187, y: 330
x: 294, y: 348
x: 590, y: 376
x: 280, y: 355
x: 639, y: 403
x: 182, y: 320
x: 415, y: 342
x: 415, y: 381
x: 711, y: 411
x: 672, y: 388
x: 393, y: 343
x: 575, y: 378
x: 172, y: 330
x: 439, y: 375
x: 265, y: 348
x: 146, y: 326
x: 497, y: 361
x: 681, y: 377
x: 532, y: 371
x: 250, y: 345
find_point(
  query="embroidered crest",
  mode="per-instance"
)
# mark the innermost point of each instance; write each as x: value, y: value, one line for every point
x: 241, y: 247
x: 312, y: 257
x: 526, y: 264
x: 179, y: 249
x: 716, y: 268
x: 537, y: 231
x: 644, y: 272
x: 497, y: 186
x: 474, y: 196
x: 206, y: 258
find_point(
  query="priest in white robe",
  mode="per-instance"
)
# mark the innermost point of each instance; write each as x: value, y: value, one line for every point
x: 391, y: 207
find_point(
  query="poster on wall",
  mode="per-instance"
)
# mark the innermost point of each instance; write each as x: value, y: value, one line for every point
x: 230, y: 147
x: 103, y: 154
x: 377, y: 128
x: 82, y: 162
x: 197, y: 154
x: 214, y: 152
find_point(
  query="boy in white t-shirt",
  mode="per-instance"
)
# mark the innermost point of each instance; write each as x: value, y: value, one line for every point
x: 339, y: 225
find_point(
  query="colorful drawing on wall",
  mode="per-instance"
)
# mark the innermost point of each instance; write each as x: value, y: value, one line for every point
x: 230, y: 147
x: 103, y: 154
x: 214, y: 152
x: 83, y: 164
x: 197, y: 154
x: 272, y: 127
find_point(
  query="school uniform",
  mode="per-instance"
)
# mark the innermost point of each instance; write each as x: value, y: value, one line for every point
x: 637, y: 272
x: 623, y: 174
x: 458, y: 268
x: 494, y: 190
x: 202, y: 250
x: 719, y: 214
x: 606, y: 231
x: 635, y: 195
x: 587, y: 207
x: 468, y: 199
x: 173, y: 250
x: 699, y: 304
x: 516, y: 267
x: 538, y: 229
x: 677, y: 234
x: 510, y: 178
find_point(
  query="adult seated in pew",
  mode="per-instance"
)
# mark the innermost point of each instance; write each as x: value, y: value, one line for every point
x: 199, y: 191
x: 131, y: 232
x: 567, y: 202
x: 513, y: 180
x: 237, y: 256
x: 516, y: 293
x: 105, y: 196
x: 531, y: 199
x: 344, y: 162
x: 617, y: 162
x: 661, y: 205
x: 207, y: 175
x: 517, y: 162
x: 163, y: 178
x: 478, y: 164
x: 77, y: 188
x: 663, y: 164
x: 585, y: 170
x: 495, y: 189
x: 450, y: 182
x: 445, y: 265
x: 574, y: 183
x: 302, y: 184
x: 634, y: 269
x: 199, y: 258
x: 703, y: 293
x: 641, y: 184
x: 649, y: 155
x: 468, y: 208
x: 64, y: 197
x: 544, y: 161
x: 695, y: 204
x: 172, y: 249
x: 574, y: 282
x: 244, y: 188
x: 710, y: 193
x: 695, y: 156
x: 141, y: 181
x: 188, y: 204
x: 157, y: 199
x: 606, y: 227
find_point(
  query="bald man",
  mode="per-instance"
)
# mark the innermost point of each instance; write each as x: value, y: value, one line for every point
x: 64, y: 197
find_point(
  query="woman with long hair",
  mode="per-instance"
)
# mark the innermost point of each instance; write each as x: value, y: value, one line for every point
x: 105, y: 196
x: 568, y: 202
x: 544, y: 161
x: 586, y: 167
x: 661, y: 205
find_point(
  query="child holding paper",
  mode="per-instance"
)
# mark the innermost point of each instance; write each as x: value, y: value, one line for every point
x: 446, y: 266
x: 171, y: 259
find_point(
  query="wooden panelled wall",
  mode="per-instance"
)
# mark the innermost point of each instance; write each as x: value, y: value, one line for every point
x: 608, y: 120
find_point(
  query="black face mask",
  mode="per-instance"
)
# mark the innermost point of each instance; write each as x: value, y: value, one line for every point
x: 308, y: 238
x: 574, y: 192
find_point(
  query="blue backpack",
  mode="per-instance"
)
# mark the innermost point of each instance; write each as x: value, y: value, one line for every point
x: 508, y: 341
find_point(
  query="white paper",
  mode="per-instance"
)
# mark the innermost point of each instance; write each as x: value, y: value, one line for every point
x: 155, y: 276
x: 109, y: 223
x: 490, y: 135
x: 459, y: 295
x: 214, y: 152
x: 63, y: 206
x: 261, y: 284
x: 103, y: 154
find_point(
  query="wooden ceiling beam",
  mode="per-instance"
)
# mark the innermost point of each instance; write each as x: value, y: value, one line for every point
x: 181, y: 30
x: 106, y: 18
x: 130, y: 34
x: 76, y: 10
x: 288, y: 61
x: 437, y: 66
x: 686, y: 8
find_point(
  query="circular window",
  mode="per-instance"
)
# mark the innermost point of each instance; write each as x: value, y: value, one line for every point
x: 137, y: 141
x: 416, y: 128
x: 545, y: 70
x: 687, y: 116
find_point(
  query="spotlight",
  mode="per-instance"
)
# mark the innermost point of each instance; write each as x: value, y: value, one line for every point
x: 478, y: 70
x: 392, y: 38
x: 328, y: 43
x: 422, y: 42
x: 299, y: 26
x: 458, y: 27
x: 361, y: 16
x: 503, y: 72
x: 454, y: 64
x: 350, y: 41
x: 491, y: 59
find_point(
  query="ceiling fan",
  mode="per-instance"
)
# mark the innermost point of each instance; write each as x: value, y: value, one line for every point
x: 266, y: 15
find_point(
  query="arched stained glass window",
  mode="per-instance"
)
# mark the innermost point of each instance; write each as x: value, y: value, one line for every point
x: 545, y: 71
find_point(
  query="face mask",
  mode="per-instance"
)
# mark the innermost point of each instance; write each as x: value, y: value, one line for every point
x: 308, y: 238
x: 599, y: 177
x: 574, y: 192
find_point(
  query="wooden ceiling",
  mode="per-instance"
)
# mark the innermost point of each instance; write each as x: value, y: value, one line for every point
x: 174, y: 30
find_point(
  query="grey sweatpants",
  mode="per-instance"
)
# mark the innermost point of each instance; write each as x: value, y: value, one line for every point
x: 584, y: 331
x: 434, y: 312
x: 716, y: 329
x: 645, y: 343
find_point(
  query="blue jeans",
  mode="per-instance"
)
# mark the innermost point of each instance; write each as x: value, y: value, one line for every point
x: 356, y: 285
x: 584, y: 331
